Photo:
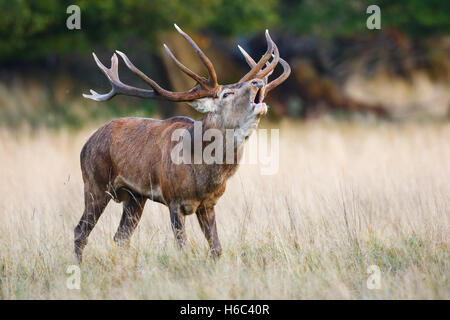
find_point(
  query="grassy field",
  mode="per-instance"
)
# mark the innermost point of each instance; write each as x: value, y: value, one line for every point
x: 347, y: 196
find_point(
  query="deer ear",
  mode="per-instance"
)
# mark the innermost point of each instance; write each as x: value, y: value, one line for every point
x: 204, y: 105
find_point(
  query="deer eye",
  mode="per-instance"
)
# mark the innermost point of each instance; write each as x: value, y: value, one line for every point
x: 226, y: 94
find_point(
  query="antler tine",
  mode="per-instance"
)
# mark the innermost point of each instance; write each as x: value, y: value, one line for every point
x: 195, y: 93
x: 247, y: 57
x: 276, y: 57
x: 117, y: 86
x: 142, y: 75
x: 281, y: 78
x: 252, y: 63
x: 271, y: 85
x: 202, y: 56
x: 252, y: 73
x: 202, y: 81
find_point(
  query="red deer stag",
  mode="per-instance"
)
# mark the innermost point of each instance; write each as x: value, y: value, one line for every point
x: 129, y: 159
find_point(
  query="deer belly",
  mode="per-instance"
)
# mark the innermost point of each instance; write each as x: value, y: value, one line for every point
x: 152, y: 192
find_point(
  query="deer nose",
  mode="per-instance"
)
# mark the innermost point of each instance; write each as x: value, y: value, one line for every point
x: 257, y: 83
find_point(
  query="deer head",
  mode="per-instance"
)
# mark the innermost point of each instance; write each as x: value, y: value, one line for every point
x: 233, y: 105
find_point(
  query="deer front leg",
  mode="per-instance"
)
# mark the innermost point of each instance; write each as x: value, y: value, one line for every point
x: 177, y: 221
x: 207, y: 220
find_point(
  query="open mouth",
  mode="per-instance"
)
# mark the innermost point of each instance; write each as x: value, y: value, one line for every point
x: 259, y: 107
x: 258, y: 96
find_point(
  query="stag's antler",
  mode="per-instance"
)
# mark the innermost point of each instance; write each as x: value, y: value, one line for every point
x: 203, y: 88
x: 117, y: 86
x: 256, y: 72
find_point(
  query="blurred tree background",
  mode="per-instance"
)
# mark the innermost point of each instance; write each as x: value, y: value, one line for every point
x: 339, y: 66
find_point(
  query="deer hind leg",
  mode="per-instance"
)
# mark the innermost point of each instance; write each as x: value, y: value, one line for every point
x: 207, y: 220
x: 132, y: 212
x: 177, y: 220
x: 95, y: 201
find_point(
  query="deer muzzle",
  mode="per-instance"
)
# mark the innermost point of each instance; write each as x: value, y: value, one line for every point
x: 258, y: 106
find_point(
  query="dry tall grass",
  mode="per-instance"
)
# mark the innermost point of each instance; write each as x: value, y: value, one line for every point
x: 347, y: 196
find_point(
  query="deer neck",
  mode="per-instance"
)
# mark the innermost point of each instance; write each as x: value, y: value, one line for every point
x: 239, y: 132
